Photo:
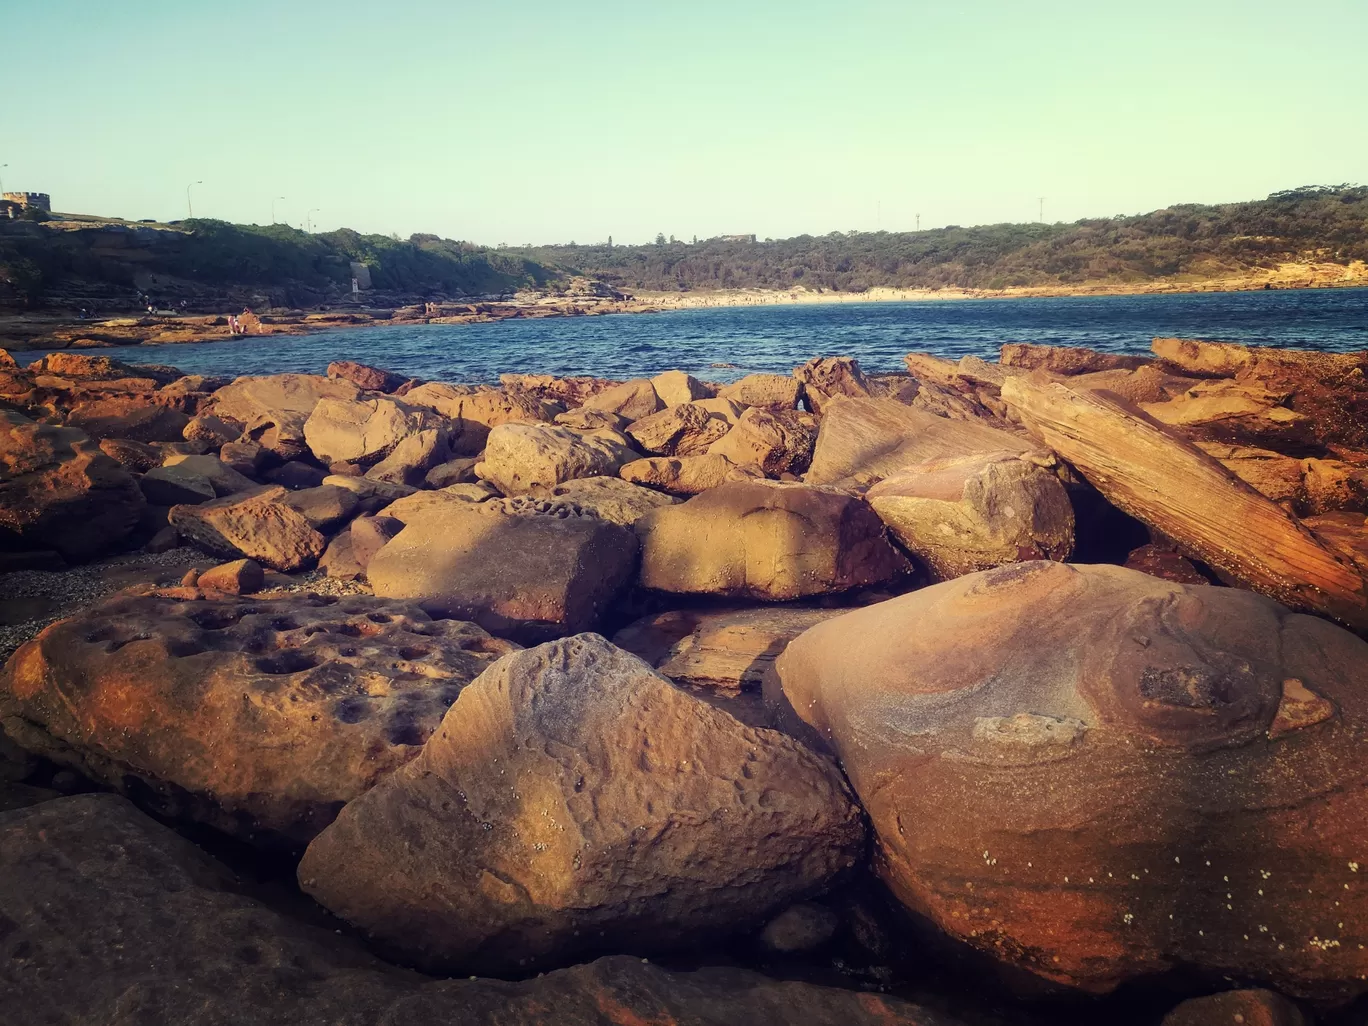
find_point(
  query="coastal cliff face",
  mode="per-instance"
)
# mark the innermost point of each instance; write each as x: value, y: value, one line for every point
x: 1041, y: 676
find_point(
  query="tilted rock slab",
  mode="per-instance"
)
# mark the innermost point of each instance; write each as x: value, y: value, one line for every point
x: 778, y: 443
x: 260, y: 525
x: 686, y: 475
x: 972, y: 513
x: 574, y: 801
x: 273, y: 409
x: 1176, y: 488
x: 114, y: 918
x: 521, y: 458
x: 526, y: 577
x: 768, y: 541
x: 1096, y: 775
x: 261, y: 717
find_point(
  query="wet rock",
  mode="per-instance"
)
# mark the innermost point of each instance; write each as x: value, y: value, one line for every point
x: 59, y: 491
x: 117, y: 919
x: 768, y: 391
x: 777, y: 443
x: 260, y: 717
x: 563, y: 776
x: 258, y: 525
x: 240, y: 577
x: 727, y: 649
x: 1175, y: 767
x: 767, y: 541
x: 686, y: 475
x: 526, y: 577
x: 1237, y: 1008
x: 521, y: 458
x: 971, y: 513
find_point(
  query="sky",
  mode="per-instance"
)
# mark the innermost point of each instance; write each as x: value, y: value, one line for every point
x: 555, y: 122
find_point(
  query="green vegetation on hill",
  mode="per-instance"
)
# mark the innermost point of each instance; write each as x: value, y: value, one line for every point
x: 1188, y: 242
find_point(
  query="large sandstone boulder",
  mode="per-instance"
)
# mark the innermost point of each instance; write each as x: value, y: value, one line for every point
x: 59, y: 491
x: 528, y: 577
x: 113, y: 918
x: 372, y: 379
x: 675, y: 387
x: 261, y: 717
x: 273, y: 410
x: 632, y: 399
x: 777, y: 443
x: 364, y: 431
x: 1096, y: 775
x: 686, y: 475
x: 725, y: 649
x: 593, y: 806
x: 766, y: 541
x: 683, y: 430
x: 862, y: 441
x: 1066, y: 359
x: 521, y: 458
x: 971, y: 513
x: 137, y: 416
x: 769, y: 391
x: 828, y: 376
x: 225, y: 479
x: 612, y: 498
x: 260, y: 525
x: 477, y: 409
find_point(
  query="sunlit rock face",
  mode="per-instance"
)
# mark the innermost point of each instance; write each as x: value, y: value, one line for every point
x: 1095, y: 774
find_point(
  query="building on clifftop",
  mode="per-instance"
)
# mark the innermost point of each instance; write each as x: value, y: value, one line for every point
x: 24, y: 200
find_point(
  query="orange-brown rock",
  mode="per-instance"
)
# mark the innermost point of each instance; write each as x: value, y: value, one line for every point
x: 272, y: 410
x: 257, y: 716
x: 1066, y: 359
x: 1237, y: 1008
x: 686, y: 475
x: 527, y: 577
x: 364, y: 376
x: 725, y: 649
x: 571, y: 392
x: 1096, y: 775
x: 862, y: 441
x: 240, y: 577
x: 1180, y: 491
x: 136, y: 416
x: 594, y: 805
x: 260, y: 525
x: 118, y: 919
x: 476, y: 409
x: 522, y: 458
x: 970, y: 513
x: 631, y: 399
x: 767, y: 541
x: 1164, y: 563
x: 778, y: 443
x: 683, y: 430
x: 827, y: 376
x: 59, y: 491
x: 364, y: 431
x: 768, y: 391
x: 675, y: 387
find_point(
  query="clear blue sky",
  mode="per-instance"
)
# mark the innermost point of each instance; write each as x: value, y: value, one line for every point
x: 549, y: 122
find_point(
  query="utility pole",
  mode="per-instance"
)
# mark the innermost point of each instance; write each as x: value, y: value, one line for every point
x: 2, y: 180
x: 308, y: 219
x: 1042, y: 209
x: 188, y: 205
x: 273, y: 203
x: 919, y: 222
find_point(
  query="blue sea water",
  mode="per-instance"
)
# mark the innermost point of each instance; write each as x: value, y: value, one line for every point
x: 778, y: 338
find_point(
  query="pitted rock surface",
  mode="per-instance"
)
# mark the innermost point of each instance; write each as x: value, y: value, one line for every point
x: 573, y: 801
x: 1097, y: 775
x: 258, y: 716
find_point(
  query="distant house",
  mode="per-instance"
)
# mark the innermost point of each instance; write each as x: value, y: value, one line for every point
x: 24, y: 200
x: 736, y: 238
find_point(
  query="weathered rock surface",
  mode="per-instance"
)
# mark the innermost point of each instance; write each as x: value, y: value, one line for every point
x: 457, y: 471
x: 117, y: 919
x: 364, y: 431
x: 413, y: 457
x: 1237, y: 1008
x: 260, y: 525
x: 475, y: 410
x: 240, y: 577
x: 612, y: 498
x: 729, y: 649
x: 828, y: 376
x: 363, y: 376
x: 326, y: 507
x: 1183, y: 493
x: 768, y: 391
x: 528, y: 577
x: 1066, y: 359
x: 1164, y: 563
x: 675, y: 387
x: 225, y: 479
x: 261, y: 717
x: 631, y: 399
x: 521, y: 458
x: 862, y: 441
x: 170, y: 486
x: 683, y: 430
x: 137, y: 416
x: 1096, y: 775
x: 594, y: 806
x: 273, y: 410
x: 410, y: 506
x: 778, y: 443
x: 686, y: 475
x: 59, y: 491
x: 970, y: 513
x: 768, y: 541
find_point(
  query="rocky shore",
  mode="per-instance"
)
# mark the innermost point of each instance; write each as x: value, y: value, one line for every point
x: 1018, y: 692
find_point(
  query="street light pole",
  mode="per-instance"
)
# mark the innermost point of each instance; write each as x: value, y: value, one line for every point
x: 2, y: 180
x: 188, y: 205
x: 273, y: 203
x: 308, y: 219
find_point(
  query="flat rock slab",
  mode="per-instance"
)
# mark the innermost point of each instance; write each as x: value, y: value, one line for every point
x: 114, y: 918
x: 259, y: 716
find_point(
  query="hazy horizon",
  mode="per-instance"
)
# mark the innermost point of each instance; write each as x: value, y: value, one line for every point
x: 546, y: 125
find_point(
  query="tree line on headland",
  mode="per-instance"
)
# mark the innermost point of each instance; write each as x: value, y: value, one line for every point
x: 1189, y: 242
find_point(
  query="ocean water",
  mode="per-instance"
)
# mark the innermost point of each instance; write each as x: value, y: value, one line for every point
x: 778, y: 338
